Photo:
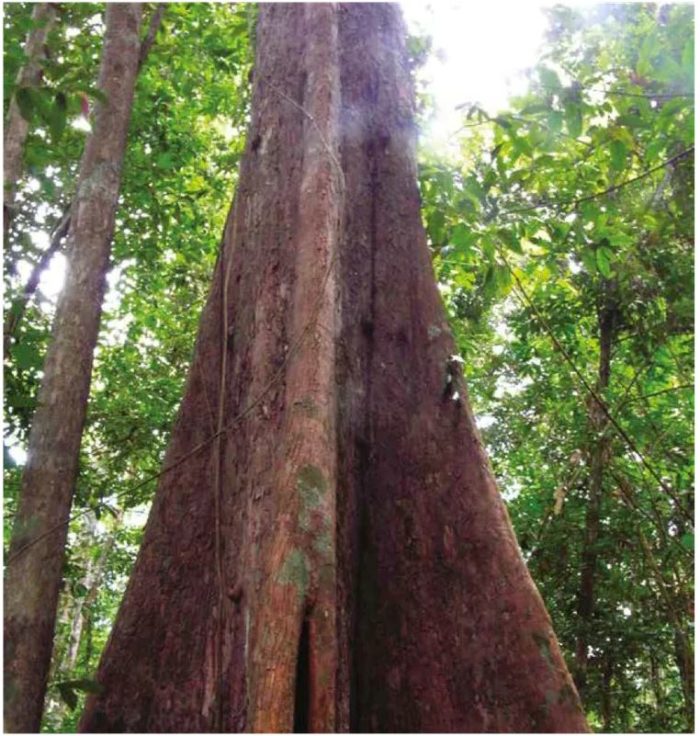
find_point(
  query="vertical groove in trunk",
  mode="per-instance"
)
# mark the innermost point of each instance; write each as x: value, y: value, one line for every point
x: 360, y: 527
x: 34, y: 573
x: 16, y: 127
x: 598, y: 458
x: 302, y: 689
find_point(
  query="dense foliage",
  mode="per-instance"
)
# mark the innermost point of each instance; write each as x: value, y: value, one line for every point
x: 568, y: 220
x: 558, y: 227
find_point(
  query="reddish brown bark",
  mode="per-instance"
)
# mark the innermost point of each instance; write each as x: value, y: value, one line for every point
x: 338, y: 558
x: 34, y: 572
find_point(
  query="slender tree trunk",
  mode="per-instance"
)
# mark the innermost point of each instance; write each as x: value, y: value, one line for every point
x: 335, y: 556
x: 684, y: 654
x: 92, y: 581
x: 685, y: 662
x: 657, y: 688
x: 607, y: 707
x: 598, y: 458
x: 33, y: 577
x: 16, y: 127
x: 19, y: 306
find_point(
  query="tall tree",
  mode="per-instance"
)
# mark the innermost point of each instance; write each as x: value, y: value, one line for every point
x: 327, y: 549
x: 16, y: 125
x: 36, y: 553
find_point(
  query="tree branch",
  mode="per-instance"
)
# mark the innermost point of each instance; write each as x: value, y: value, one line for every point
x: 17, y: 310
x: 150, y: 36
x: 573, y: 203
x: 642, y: 397
x: 527, y: 301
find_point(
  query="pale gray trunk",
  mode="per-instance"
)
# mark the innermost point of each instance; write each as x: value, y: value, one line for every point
x: 91, y: 581
x: 16, y: 127
x: 35, y: 561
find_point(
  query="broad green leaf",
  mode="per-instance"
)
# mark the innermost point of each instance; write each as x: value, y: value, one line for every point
x: 618, y: 155
x: 574, y: 119
x: 602, y: 259
x: 510, y: 240
x: 25, y: 102
x: 26, y: 356
x: 549, y: 78
x: 462, y: 237
x: 502, y: 277
x: 57, y: 116
x: 588, y: 258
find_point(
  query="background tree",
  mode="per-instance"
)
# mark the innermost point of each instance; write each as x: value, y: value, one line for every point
x: 34, y: 574
x: 16, y: 126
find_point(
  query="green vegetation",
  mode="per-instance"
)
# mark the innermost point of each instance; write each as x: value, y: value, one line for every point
x: 566, y: 216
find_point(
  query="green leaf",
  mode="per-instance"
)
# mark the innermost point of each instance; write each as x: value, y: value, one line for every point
x: 164, y: 161
x: 534, y: 107
x: 618, y: 155
x: 489, y: 279
x: 602, y: 259
x: 688, y: 541
x: 574, y: 119
x: 462, y: 237
x: 688, y: 61
x: 57, y: 116
x: 25, y: 102
x: 502, y: 277
x: 503, y: 122
x: 669, y: 71
x: 646, y: 53
x: 26, y: 356
x: 510, y: 239
x: 550, y: 80
x: 555, y: 121
x: 588, y: 259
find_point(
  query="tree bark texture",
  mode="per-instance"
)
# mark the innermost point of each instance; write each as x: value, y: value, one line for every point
x: 34, y: 572
x: 330, y: 552
x: 16, y: 127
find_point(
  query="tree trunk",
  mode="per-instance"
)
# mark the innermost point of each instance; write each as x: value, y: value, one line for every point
x: 656, y: 687
x: 685, y: 661
x: 16, y: 127
x: 606, y: 704
x: 19, y: 306
x: 92, y: 581
x: 34, y: 572
x: 598, y: 459
x: 333, y: 555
